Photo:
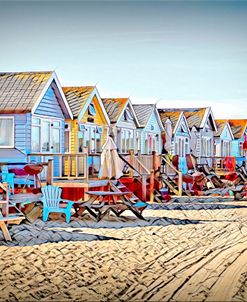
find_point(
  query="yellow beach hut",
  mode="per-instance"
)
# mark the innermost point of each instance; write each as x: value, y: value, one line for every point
x: 88, y: 129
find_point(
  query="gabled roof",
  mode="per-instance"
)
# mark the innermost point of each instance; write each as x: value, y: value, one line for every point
x: 143, y: 113
x: 196, y: 117
x: 221, y: 124
x: 170, y: 114
x: 77, y: 97
x: 238, y: 127
x: 114, y: 107
x: 21, y: 92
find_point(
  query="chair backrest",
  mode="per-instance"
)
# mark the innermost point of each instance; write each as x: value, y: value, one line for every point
x: 51, y: 196
x: 5, y: 169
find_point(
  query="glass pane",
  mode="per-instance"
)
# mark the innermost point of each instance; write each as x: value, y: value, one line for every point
x: 56, y: 140
x: 98, y: 142
x: 92, y: 139
x: 35, y: 121
x: 6, y: 132
x: 35, y: 139
x: 56, y: 124
x: 87, y: 138
x: 80, y: 141
x: 45, y: 135
x: 66, y: 141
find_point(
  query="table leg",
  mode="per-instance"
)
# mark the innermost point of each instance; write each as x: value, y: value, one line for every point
x: 5, y: 231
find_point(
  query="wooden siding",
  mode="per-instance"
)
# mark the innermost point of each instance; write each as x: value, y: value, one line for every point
x: 49, y: 105
x: 22, y: 131
x: 152, y: 127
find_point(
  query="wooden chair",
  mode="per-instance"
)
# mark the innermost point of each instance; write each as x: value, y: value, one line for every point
x: 51, y: 202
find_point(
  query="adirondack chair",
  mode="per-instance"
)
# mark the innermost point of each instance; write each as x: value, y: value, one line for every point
x: 8, y: 178
x: 51, y: 200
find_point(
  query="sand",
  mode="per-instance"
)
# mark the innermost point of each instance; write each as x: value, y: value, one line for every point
x: 181, y: 254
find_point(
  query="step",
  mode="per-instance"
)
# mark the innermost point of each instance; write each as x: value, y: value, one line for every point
x: 134, y: 198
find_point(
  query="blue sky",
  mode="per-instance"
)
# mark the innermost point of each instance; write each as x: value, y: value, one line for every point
x: 182, y: 53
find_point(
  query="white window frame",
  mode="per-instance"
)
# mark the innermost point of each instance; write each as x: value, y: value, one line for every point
x: 51, y: 120
x: 90, y: 128
x: 13, y: 132
x: 181, y: 146
x: 126, y: 148
x: 69, y: 131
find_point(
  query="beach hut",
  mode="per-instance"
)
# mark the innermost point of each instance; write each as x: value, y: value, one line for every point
x: 180, y: 140
x: 88, y: 130
x: 202, y: 128
x: 150, y: 128
x: 33, y: 110
x: 124, y: 124
x: 239, y: 144
x: 223, y: 139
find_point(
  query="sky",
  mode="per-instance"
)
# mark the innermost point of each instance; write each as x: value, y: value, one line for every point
x: 179, y: 54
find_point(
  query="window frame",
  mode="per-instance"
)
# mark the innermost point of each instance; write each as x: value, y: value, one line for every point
x: 13, y: 132
x: 51, y: 120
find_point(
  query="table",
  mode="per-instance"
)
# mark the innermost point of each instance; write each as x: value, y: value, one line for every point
x: 24, y: 198
x: 110, y: 201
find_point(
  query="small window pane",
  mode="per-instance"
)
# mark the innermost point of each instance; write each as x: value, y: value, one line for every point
x: 56, y: 140
x: 56, y: 124
x: 35, y: 121
x: 66, y: 141
x: 35, y: 139
x: 6, y: 132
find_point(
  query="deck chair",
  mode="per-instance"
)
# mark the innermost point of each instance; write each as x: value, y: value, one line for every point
x: 8, y: 178
x: 51, y: 200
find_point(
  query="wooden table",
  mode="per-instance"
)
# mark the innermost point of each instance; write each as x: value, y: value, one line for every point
x: 110, y: 201
x: 24, y: 198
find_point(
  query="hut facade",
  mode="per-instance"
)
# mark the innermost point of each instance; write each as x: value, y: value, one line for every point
x: 88, y: 129
x: 33, y: 110
x: 124, y: 123
x: 180, y: 138
x: 223, y: 139
x: 150, y: 128
x: 239, y: 144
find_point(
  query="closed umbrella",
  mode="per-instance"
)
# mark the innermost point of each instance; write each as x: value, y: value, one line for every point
x: 111, y: 164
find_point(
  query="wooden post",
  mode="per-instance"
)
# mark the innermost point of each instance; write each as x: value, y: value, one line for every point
x: 180, y: 184
x: 132, y: 158
x: 144, y: 187
x: 5, y: 206
x: 152, y: 186
x: 50, y: 172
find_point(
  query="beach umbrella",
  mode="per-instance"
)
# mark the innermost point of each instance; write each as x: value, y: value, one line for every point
x: 168, y: 135
x: 111, y: 164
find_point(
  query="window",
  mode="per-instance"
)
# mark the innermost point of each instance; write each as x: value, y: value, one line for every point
x: 6, y: 132
x: 90, y: 137
x: 128, y: 116
x: 91, y: 110
x: 206, y: 147
x: 181, y: 146
x: 67, y: 137
x: 46, y: 135
x: 125, y: 140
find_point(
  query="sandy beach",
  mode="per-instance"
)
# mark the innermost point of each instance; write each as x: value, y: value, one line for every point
x: 182, y: 253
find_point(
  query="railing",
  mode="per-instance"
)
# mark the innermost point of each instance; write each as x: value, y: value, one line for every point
x: 61, y: 166
x: 169, y: 169
x: 137, y: 168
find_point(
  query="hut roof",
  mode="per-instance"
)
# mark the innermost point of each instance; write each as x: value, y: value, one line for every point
x: 238, y: 127
x: 19, y: 91
x: 77, y: 97
x: 143, y: 113
x: 114, y: 107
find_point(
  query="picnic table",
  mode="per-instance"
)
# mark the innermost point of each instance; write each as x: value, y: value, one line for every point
x: 102, y: 202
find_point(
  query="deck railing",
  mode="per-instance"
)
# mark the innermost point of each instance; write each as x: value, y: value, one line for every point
x: 139, y: 169
x: 170, y: 170
x: 62, y: 166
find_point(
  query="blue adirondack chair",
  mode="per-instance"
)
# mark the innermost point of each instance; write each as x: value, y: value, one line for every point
x: 8, y: 178
x: 51, y: 199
